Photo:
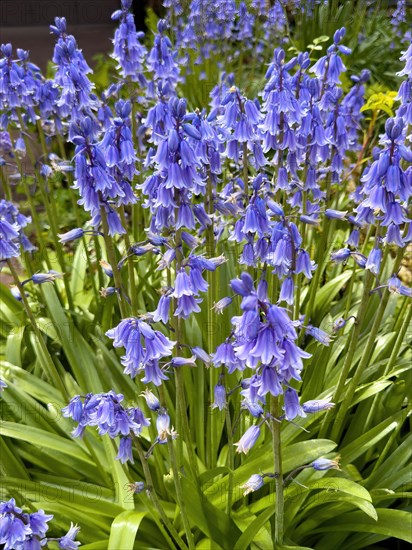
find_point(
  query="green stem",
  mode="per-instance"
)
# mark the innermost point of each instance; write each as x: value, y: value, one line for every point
x: 78, y: 220
x: 111, y: 256
x: 138, y: 224
x: 299, y: 276
x: 231, y: 460
x: 388, y: 447
x: 182, y: 421
x: 184, y: 424
x: 314, y: 285
x: 155, y: 499
x: 50, y: 367
x: 34, y: 214
x: 130, y: 266
x: 5, y: 185
x: 350, y: 291
x: 245, y: 173
x: 392, y: 360
x: 211, y: 319
x: 364, y: 361
x: 179, y: 493
x: 353, y: 342
x: 399, y: 322
x: 275, y: 410
x: 51, y: 211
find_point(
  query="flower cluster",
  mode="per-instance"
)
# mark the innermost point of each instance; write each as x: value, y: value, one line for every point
x: 144, y: 348
x: 105, y: 410
x: 22, y: 531
x: 128, y: 50
x: 12, y: 236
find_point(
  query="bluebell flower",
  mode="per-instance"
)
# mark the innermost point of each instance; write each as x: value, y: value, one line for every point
x: 21, y: 530
x: 125, y: 450
x: 353, y: 239
x: 240, y: 119
x: 128, y: 50
x: 182, y: 361
x: 76, y: 90
x: 374, y: 261
x: 287, y: 291
x: 248, y: 439
x: 71, y: 235
x: 399, y: 15
x: 67, y: 542
x: 254, y: 483
x: 291, y: 405
x: 340, y: 255
x: 395, y: 286
x: 142, y: 343
x: 404, y: 94
x: 163, y: 427
x: 359, y: 258
x: 219, y: 397
x: 97, y: 186
x: 107, y: 268
x: 385, y: 188
x: 12, y: 221
x: 136, y: 487
x: 161, y: 61
x: 325, y: 464
x: 201, y: 354
x: 317, y: 405
x: 222, y: 304
x: 8, y: 240
x: 331, y: 66
x: 319, y: 335
x: 38, y: 523
x: 162, y: 311
x: 14, y: 525
x: 108, y: 291
x: 304, y: 264
x: 118, y: 146
x: 20, y: 147
x: 335, y: 214
x: 41, y: 278
x: 151, y: 400
x: 339, y: 323
x: 225, y: 355
x: 3, y: 385
x: 105, y: 410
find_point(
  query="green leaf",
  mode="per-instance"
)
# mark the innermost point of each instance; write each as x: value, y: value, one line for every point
x: 76, y: 349
x: 327, y: 293
x: 247, y: 537
x: 339, y: 500
x: 209, y: 518
x: 84, y: 496
x: 43, y: 438
x: 99, y: 545
x: 340, y: 484
x: 124, y: 529
x: 366, y: 441
x: 321, y: 39
x: 390, y: 523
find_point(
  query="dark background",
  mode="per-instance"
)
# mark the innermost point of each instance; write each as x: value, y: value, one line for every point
x: 25, y: 23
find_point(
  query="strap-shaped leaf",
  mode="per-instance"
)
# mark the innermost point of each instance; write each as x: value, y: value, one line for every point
x: 391, y: 523
x: 124, y: 529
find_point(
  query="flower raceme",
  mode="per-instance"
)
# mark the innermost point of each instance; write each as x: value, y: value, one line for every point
x: 105, y: 410
x: 144, y: 348
x: 12, y: 236
x: 22, y: 531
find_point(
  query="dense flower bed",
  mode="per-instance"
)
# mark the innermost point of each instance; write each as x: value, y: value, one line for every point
x: 208, y: 308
